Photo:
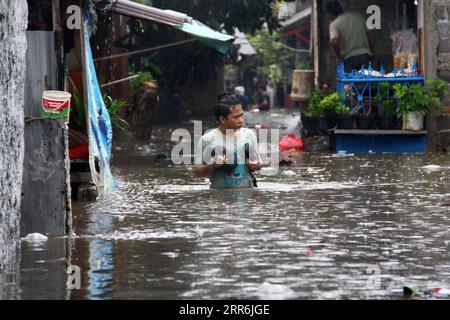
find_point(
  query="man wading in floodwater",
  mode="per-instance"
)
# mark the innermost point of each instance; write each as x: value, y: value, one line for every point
x: 228, y: 154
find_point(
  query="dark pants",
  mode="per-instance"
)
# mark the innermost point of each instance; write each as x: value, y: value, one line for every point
x: 356, y: 62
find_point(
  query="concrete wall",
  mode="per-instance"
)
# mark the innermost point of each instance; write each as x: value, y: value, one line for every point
x: 46, y: 206
x: 440, y: 15
x: 437, y: 65
x: 13, y: 23
x: 40, y: 76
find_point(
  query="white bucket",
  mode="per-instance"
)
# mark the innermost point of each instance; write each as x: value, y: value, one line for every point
x: 56, y: 104
x: 413, y: 121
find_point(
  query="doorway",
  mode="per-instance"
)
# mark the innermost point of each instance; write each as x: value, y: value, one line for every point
x: 396, y: 15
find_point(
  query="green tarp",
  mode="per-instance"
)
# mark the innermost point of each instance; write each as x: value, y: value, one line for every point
x: 217, y: 40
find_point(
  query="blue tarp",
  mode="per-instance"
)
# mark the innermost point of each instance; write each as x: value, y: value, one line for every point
x: 99, y: 124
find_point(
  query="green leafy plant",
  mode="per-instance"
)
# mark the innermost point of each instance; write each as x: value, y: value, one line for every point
x: 274, y: 59
x: 387, y: 107
x: 276, y: 6
x: 314, y: 108
x: 117, y: 121
x: 141, y: 77
x: 387, y: 104
x: 416, y: 98
x: 332, y: 104
x: 383, y: 91
x: 247, y: 15
x: 79, y: 108
x: 411, y: 99
x: 342, y: 110
x: 436, y: 90
x: 322, y: 104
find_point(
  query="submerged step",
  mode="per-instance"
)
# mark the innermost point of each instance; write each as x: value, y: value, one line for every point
x: 378, y: 141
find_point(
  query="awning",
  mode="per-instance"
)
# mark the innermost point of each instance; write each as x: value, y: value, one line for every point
x: 245, y: 48
x: 178, y: 20
x: 215, y: 39
x: 130, y: 8
x: 297, y: 17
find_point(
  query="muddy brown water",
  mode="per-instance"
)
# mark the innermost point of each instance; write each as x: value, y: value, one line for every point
x: 327, y: 227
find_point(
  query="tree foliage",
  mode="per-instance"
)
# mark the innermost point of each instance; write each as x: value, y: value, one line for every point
x: 195, y: 61
x: 273, y: 58
x: 247, y: 15
x: 195, y: 64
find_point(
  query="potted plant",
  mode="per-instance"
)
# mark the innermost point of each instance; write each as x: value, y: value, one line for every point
x: 414, y: 102
x: 386, y: 118
x: 331, y: 106
x: 364, y: 121
x: 344, y: 118
x: 310, y: 120
x: 117, y: 121
x: 308, y: 124
x: 364, y: 118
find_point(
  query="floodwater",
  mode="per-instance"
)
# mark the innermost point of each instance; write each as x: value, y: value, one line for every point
x: 327, y: 227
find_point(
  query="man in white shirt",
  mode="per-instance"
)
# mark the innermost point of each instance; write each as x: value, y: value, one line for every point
x: 351, y: 40
x: 228, y: 154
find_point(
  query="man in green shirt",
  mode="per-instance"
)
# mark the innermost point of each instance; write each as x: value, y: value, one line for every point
x: 228, y: 153
x: 351, y: 40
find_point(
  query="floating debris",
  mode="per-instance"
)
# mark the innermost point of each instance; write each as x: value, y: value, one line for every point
x: 432, y: 168
x: 407, y: 291
x: 269, y: 291
x: 286, y: 162
x: 35, y: 237
x: 269, y: 171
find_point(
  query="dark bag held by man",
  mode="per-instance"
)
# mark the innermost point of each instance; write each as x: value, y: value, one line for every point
x: 247, y: 157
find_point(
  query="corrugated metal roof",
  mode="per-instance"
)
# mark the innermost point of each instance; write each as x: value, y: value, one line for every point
x: 137, y: 10
x: 179, y: 20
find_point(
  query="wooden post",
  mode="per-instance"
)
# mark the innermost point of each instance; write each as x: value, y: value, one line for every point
x: 59, y: 45
x: 420, y: 33
x: 56, y: 16
x: 315, y: 26
x: 84, y: 73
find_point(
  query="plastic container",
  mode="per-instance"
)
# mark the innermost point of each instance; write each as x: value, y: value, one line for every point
x: 413, y: 121
x: 302, y: 85
x: 56, y: 105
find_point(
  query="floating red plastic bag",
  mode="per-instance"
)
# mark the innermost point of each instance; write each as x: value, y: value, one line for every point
x: 291, y: 142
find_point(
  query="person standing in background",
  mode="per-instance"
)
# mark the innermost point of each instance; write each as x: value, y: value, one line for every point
x: 350, y: 38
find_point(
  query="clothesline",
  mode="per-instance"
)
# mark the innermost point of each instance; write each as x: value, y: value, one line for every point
x: 145, y: 50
